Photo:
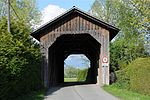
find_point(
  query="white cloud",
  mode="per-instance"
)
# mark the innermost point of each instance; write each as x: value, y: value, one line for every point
x: 50, y: 12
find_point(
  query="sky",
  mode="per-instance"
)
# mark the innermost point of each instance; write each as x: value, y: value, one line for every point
x: 52, y: 8
x: 76, y: 60
x: 66, y: 4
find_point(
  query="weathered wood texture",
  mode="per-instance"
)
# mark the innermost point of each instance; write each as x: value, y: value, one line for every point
x: 74, y: 24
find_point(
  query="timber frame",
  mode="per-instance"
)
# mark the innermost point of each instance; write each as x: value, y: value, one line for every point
x: 79, y: 28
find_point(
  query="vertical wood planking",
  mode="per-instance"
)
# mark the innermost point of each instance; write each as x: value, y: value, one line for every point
x: 88, y: 26
x: 65, y: 26
x: 84, y: 24
x: 78, y: 23
x: 81, y: 24
x: 75, y: 24
x: 93, y: 26
x: 70, y: 24
x: 60, y: 26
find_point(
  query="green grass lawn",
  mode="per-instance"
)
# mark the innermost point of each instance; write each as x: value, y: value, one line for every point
x: 125, y: 94
x: 70, y: 79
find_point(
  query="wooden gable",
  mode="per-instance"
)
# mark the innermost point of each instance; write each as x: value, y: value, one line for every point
x: 73, y: 22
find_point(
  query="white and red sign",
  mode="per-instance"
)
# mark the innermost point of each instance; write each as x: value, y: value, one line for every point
x: 105, y: 59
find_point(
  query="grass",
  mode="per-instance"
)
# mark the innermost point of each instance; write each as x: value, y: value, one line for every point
x: 38, y: 95
x: 124, y: 94
x: 70, y: 79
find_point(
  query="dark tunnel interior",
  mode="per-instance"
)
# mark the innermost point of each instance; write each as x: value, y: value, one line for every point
x: 73, y: 44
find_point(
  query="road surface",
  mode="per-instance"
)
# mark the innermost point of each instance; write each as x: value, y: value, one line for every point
x: 79, y: 92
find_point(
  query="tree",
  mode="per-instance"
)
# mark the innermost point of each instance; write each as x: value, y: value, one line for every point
x: 131, y: 16
x: 82, y: 75
x: 19, y: 61
x: 147, y: 44
x: 121, y: 53
x: 22, y: 10
x: 70, y: 72
x: 20, y: 57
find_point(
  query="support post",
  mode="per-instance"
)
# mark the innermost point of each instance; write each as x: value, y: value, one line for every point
x: 8, y: 15
x: 44, y: 51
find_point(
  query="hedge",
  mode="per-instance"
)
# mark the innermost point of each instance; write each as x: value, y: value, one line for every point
x: 136, y: 76
x: 20, y: 61
x: 139, y: 74
x: 82, y: 74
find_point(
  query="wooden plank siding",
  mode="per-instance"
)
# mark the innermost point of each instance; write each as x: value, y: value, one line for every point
x: 73, y: 25
x: 76, y: 24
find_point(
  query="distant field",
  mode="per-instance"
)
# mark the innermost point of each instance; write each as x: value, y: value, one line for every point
x: 70, y: 79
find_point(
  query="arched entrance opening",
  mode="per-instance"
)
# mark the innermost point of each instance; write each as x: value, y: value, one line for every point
x: 72, y: 44
x: 76, y: 68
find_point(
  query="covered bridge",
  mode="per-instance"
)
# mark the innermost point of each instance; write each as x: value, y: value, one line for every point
x: 75, y: 32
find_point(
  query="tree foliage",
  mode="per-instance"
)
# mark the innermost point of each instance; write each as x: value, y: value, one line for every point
x: 122, y: 53
x: 22, y: 10
x: 131, y: 16
x: 19, y: 61
x: 20, y: 56
x: 82, y: 74
x: 70, y: 72
x: 73, y: 72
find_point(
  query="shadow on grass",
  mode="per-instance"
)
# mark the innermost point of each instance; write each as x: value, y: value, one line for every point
x: 39, y: 95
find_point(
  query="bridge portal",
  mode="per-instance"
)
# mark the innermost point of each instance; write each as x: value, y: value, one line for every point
x: 74, y: 32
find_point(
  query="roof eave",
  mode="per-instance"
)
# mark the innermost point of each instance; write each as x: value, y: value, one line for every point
x: 37, y: 32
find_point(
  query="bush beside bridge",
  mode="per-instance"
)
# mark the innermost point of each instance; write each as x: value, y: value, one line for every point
x: 136, y: 76
x: 19, y: 61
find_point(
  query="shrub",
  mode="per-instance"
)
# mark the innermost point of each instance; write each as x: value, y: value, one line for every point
x: 139, y: 74
x: 136, y: 76
x: 122, y: 79
x: 82, y: 74
x: 19, y: 61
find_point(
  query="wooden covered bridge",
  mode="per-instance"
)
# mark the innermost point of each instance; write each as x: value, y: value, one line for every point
x: 75, y: 32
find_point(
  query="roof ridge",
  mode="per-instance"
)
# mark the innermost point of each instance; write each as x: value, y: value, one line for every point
x: 74, y: 9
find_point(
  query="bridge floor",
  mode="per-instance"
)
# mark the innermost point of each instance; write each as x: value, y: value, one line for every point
x: 78, y: 92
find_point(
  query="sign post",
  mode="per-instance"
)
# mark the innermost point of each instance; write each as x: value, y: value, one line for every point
x: 105, y: 65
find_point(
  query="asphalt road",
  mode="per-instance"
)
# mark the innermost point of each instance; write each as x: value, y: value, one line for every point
x: 79, y: 92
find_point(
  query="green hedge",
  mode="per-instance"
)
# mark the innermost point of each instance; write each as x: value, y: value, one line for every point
x: 136, y: 76
x: 122, y: 79
x: 19, y: 61
x: 82, y: 74
x: 139, y: 74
